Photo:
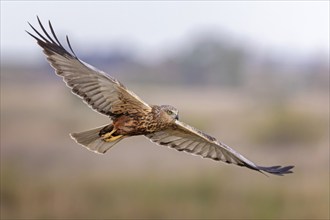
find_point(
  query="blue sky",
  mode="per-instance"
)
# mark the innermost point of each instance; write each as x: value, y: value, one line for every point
x: 154, y: 27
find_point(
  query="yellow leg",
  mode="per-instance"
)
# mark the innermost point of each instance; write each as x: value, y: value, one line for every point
x: 112, y: 138
x: 108, y: 135
x: 109, y: 138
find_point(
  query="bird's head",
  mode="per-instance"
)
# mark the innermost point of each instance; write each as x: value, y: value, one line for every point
x: 171, y: 111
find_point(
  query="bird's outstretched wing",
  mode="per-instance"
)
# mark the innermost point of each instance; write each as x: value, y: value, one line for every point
x: 100, y: 91
x: 186, y: 138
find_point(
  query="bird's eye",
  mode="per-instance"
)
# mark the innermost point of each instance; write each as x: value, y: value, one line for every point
x: 169, y: 112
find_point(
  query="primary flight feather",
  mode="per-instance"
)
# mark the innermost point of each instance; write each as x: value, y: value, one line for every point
x: 129, y: 114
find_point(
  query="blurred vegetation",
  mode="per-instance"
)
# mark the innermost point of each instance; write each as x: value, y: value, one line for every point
x: 200, y: 196
x: 274, y: 109
x: 282, y: 126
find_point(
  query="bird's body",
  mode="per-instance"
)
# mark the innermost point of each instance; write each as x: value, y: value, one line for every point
x: 141, y: 123
x: 131, y: 116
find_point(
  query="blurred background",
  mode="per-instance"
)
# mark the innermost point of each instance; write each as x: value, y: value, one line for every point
x: 253, y: 74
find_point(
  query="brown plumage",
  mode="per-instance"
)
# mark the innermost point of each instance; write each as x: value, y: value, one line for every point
x: 129, y: 114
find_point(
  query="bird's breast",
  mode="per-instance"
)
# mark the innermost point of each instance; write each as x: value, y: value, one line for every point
x: 139, y: 124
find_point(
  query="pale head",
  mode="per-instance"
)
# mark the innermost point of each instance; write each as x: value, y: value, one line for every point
x: 171, y: 111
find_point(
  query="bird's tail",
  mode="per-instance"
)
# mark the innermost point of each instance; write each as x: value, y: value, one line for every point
x: 93, y: 141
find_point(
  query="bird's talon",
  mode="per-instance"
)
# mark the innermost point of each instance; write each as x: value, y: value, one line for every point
x: 108, y: 135
x: 112, y: 138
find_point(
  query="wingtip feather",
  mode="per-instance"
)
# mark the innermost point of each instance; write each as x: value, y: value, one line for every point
x: 277, y: 170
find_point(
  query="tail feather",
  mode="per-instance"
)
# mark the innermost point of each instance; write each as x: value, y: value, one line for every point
x: 92, y: 141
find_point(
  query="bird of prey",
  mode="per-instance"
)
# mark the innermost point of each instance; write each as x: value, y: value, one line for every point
x: 129, y: 114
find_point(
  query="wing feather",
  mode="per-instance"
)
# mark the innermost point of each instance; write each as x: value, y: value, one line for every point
x: 183, y: 137
x: 100, y: 91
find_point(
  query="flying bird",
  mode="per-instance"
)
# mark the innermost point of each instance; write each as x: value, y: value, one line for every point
x: 130, y: 115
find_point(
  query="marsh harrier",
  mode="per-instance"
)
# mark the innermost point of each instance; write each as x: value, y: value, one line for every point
x: 129, y: 114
